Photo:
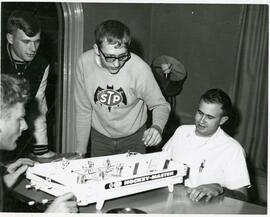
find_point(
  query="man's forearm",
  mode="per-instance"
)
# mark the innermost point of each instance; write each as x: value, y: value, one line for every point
x: 161, y: 115
x: 240, y: 194
x: 40, y: 132
x: 40, y: 122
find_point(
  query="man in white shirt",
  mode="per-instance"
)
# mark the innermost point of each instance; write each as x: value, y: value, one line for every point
x: 216, y: 161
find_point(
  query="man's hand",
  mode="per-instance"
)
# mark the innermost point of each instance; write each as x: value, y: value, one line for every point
x: 15, y: 170
x: 64, y: 204
x: 208, y: 191
x: 151, y: 137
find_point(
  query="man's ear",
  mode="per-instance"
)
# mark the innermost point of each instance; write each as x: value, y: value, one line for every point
x: 10, y: 38
x: 223, y: 120
x: 96, y: 49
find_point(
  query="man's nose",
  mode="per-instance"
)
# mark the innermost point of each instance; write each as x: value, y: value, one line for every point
x: 116, y: 63
x: 24, y: 125
x: 202, y: 119
x: 33, y: 46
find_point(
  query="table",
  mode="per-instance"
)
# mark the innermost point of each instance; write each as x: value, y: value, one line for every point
x: 159, y: 201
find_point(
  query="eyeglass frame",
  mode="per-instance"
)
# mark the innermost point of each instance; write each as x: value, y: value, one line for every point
x: 115, y: 58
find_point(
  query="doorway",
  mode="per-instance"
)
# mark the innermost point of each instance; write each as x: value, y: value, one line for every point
x: 61, y: 43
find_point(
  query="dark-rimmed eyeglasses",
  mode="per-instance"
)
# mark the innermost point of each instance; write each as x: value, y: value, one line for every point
x: 111, y: 59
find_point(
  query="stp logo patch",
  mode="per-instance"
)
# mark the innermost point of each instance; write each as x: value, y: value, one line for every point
x: 110, y: 97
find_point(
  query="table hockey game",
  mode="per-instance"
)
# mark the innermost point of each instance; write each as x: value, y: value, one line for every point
x: 94, y: 180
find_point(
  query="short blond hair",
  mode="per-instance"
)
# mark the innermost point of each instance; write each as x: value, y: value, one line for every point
x: 12, y: 91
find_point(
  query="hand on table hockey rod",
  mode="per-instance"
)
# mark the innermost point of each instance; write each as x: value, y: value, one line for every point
x: 151, y: 137
x: 14, y: 170
x: 65, y: 203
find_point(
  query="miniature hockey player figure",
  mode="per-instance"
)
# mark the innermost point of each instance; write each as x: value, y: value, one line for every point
x: 119, y: 169
x: 91, y: 167
x: 65, y: 163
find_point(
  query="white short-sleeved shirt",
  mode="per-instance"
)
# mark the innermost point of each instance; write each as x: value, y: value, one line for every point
x: 216, y: 159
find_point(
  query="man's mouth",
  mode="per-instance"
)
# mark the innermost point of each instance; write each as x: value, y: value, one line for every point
x: 198, y: 126
x: 114, y: 69
x: 31, y: 55
x: 18, y: 136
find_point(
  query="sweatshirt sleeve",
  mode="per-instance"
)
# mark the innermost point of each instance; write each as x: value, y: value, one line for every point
x: 152, y: 96
x: 83, y: 109
x: 40, y: 123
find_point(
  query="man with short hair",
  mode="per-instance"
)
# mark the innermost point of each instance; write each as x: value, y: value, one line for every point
x: 216, y: 161
x: 14, y: 93
x: 114, y: 88
x: 21, y: 58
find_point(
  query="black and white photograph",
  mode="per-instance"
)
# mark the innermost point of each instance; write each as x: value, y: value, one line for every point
x: 134, y: 107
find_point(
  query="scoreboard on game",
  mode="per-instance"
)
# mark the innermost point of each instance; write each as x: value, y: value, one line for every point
x: 94, y: 180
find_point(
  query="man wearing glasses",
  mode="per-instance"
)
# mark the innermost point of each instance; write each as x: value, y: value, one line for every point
x: 114, y: 88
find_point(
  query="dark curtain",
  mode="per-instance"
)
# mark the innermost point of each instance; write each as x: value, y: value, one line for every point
x: 250, y: 90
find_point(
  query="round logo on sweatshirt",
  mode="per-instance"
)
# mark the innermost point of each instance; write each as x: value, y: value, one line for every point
x: 109, y: 97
